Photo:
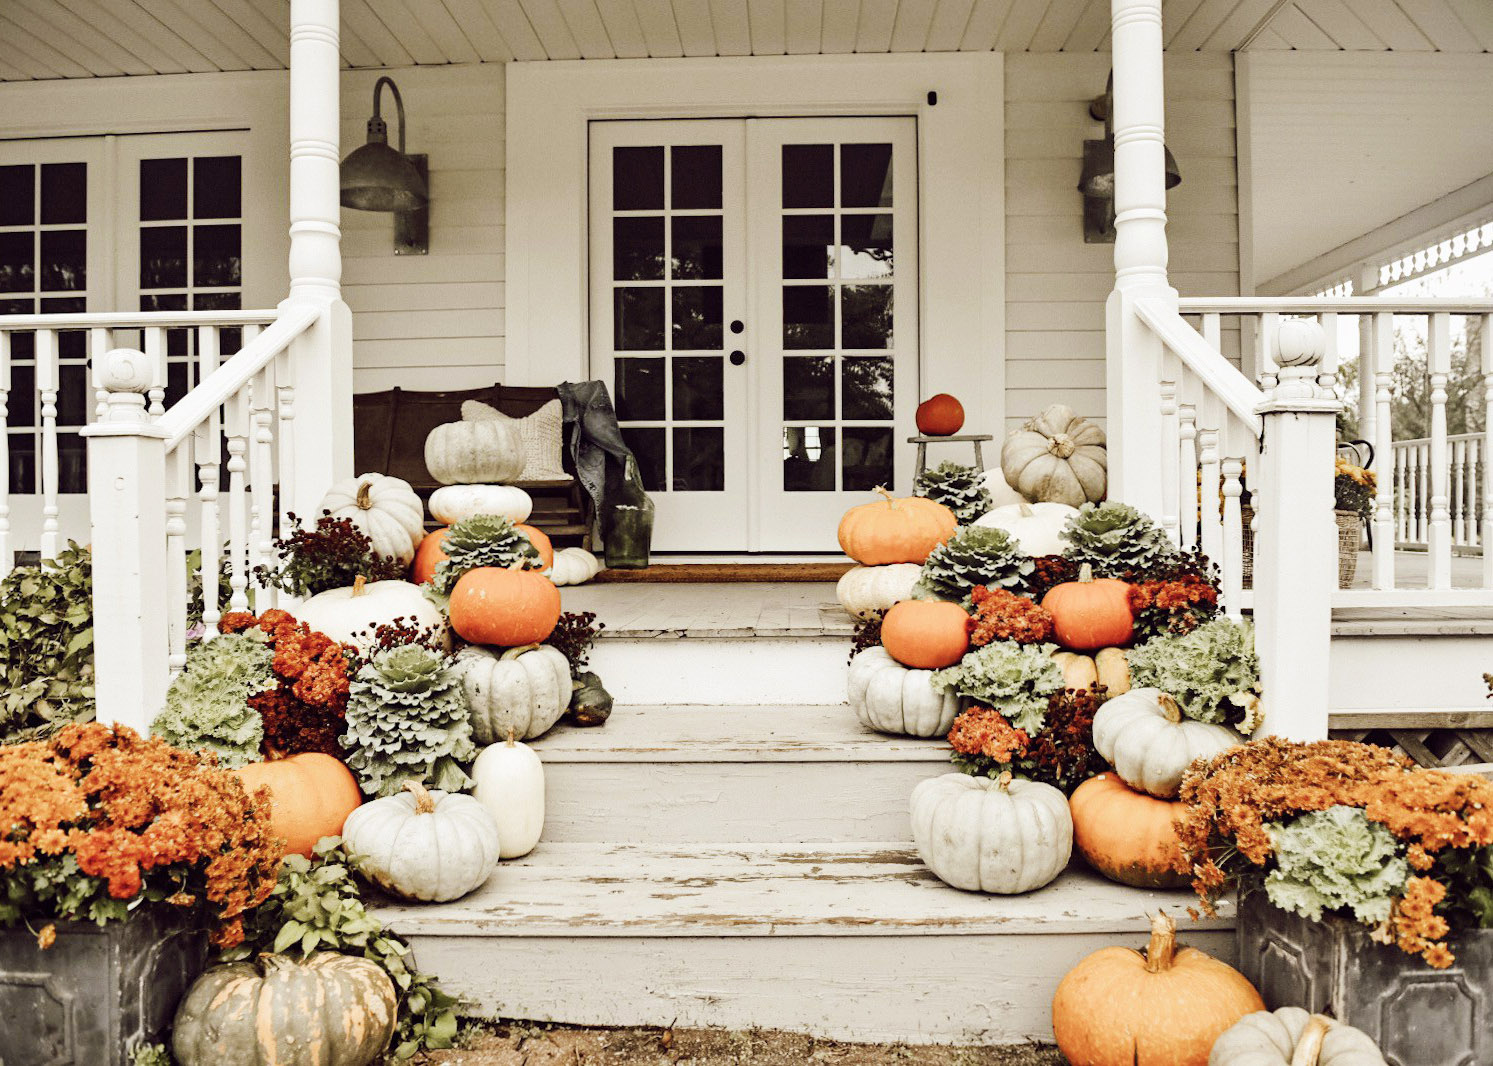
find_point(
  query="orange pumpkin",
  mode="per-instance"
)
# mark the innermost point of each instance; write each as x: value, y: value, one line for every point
x: 925, y: 634
x: 1119, y: 1007
x: 895, y: 530
x: 431, y: 551
x: 1126, y: 835
x: 504, y: 608
x: 1090, y: 613
x: 940, y: 416
x: 311, y: 795
x: 541, y: 544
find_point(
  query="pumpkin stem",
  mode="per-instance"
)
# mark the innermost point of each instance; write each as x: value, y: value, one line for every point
x: 1169, y: 708
x: 358, y: 583
x: 1086, y: 573
x: 1003, y: 782
x: 1163, y: 945
x: 514, y: 653
x: 365, y: 496
x: 890, y: 499
x: 424, y: 804
x: 511, y: 736
x: 268, y: 962
x: 1026, y: 509
x: 1309, y: 1049
x: 1062, y: 446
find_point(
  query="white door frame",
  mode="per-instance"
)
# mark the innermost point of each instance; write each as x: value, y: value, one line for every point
x: 958, y: 100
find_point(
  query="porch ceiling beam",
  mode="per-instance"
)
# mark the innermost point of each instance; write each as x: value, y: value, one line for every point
x: 1262, y: 23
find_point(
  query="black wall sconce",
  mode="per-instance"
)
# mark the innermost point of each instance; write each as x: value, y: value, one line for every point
x: 377, y: 177
x: 1097, y: 182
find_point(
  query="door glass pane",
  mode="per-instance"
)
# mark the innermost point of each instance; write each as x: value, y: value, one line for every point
x: 808, y: 317
x: 808, y: 246
x: 866, y: 316
x: 699, y: 459
x: 808, y: 387
x: 216, y: 187
x: 868, y: 457
x: 73, y: 394
x: 163, y: 189
x: 809, y: 458
x: 64, y: 193
x: 640, y: 389
x: 638, y: 178
x: 697, y: 246
x: 808, y: 175
x: 22, y: 388
x: 22, y: 462
x: 64, y: 260
x: 865, y: 175
x: 638, y: 248
x: 163, y: 257
x: 638, y: 319
x: 695, y: 177
x: 866, y: 388
x: 698, y: 318
x: 647, y: 444
x: 865, y: 246
x: 215, y: 257
x: 17, y: 195
x: 18, y: 262
x: 698, y: 392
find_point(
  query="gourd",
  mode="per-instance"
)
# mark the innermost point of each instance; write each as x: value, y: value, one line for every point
x: 864, y: 590
x: 425, y: 845
x: 510, y: 784
x: 1114, y: 670
x: 1090, y: 613
x: 1292, y: 1037
x: 1057, y: 457
x: 475, y: 453
x: 452, y: 503
x: 895, y: 530
x: 541, y: 541
x: 1036, y: 527
x: 1128, y: 836
x: 940, y: 416
x: 385, y: 509
x: 1079, y: 671
x: 1118, y: 1007
x: 1144, y: 736
x: 889, y: 698
x: 1006, y: 835
x: 326, y: 1009
x: 524, y: 689
x: 502, y: 607
x: 311, y: 795
x: 1000, y: 490
x: 926, y: 634
x: 574, y: 566
x: 590, y: 702
x: 350, y: 615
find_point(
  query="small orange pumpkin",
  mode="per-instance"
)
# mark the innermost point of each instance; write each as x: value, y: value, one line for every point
x: 925, y: 634
x: 1118, y: 1007
x: 541, y: 542
x: 431, y: 551
x: 504, y: 608
x: 894, y: 530
x: 1090, y: 613
x: 1126, y: 835
x: 940, y: 416
x: 311, y: 795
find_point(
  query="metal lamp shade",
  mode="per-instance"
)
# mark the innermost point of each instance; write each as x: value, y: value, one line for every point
x: 377, y: 177
x: 1098, y: 178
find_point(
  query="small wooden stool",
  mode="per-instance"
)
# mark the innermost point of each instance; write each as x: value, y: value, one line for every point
x: 922, y: 442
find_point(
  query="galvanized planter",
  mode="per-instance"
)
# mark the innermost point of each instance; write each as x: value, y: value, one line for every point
x: 96, y: 994
x: 1417, y: 1015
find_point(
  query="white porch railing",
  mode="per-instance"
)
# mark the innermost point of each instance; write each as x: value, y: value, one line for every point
x: 1407, y: 475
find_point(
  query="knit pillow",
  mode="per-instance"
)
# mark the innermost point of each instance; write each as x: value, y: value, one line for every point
x: 541, y: 433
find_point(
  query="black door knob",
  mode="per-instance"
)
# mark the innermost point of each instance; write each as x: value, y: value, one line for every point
x: 737, y: 325
x: 737, y: 358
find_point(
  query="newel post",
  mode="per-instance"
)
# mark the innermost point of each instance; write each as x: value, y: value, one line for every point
x: 1295, y: 572
x: 127, y: 513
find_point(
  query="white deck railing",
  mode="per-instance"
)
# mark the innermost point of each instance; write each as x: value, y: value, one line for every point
x: 1408, y: 475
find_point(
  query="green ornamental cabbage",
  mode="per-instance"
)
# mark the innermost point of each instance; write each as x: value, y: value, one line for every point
x: 959, y: 488
x: 1209, y: 672
x: 1116, y: 540
x: 1334, y: 859
x: 482, y: 540
x: 207, y: 706
x: 974, y: 555
x: 1014, y: 679
x: 407, y: 720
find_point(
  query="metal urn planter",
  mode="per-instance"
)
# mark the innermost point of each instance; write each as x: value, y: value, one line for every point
x: 1417, y: 1015
x: 97, y: 993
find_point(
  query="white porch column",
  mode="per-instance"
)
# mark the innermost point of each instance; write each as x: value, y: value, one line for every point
x: 1295, y: 573
x: 321, y: 360
x: 1133, y: 351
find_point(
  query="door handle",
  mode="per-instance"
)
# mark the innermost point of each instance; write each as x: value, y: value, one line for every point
x: 737, y: 358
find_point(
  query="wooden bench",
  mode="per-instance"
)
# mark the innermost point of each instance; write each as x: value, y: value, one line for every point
x: 389, y: 431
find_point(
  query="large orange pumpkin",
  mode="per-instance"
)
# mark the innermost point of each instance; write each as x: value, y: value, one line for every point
x: 311, y: 795
x: 1126, y: 835
x: 1090, y: 613
x: 925, y: 634
x: 431, y: 551
x: 1119, y: 1007
x: 541, y: 542
x: 895, y: 530
x: 504, y: 608
x: 940, y: 416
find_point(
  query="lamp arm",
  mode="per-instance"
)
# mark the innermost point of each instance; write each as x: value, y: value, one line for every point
x: 398, y: 104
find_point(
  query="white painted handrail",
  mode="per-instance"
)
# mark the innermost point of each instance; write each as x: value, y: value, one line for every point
x: 137, y: 320
x: 1316, y: 305
x: 1218, y: 375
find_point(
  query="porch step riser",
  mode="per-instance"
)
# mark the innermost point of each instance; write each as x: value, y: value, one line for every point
x: 1410, y: 672
x: 744, y: 670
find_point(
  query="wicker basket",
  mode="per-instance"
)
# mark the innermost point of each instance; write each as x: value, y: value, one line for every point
x: 1349, y: 536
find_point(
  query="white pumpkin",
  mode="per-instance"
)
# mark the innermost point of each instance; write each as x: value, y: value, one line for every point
x: 864, y: 590
x: 525, y: 690
x: 1000, y: 490
x: 1057, y: 457
x: 1145, y: 737
x: 450, y: 504
x: 425, y: 845
x: 360, y: 608
x: 475, y: 453
x: 1036, y: 527
x: 891, y: 698
x: 1006, y: 836
x: 1292, y: 1036
x: 385, y: 509
x: 509, y: 782
x: 574, y: 566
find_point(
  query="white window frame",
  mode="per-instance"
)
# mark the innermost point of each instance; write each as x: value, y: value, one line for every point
x: 961, y: 178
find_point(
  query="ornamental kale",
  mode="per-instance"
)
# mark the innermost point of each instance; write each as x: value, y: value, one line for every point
x: 207, y: 705
x: 482, y: 540
x: 1014, y: 679
x: 1116, y: 540
x: 959, y: 488
x: 973, y: 556
x: 407, y: 720
x: 1336, y: 858
x: 1212, y: 672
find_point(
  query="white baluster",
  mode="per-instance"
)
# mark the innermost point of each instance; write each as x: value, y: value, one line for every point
x: 1170, y: 443
x: 1213, y: 331
x: 100, y: 342
x: 1439, y: 522
x: 1265, y: 343
x: 1328, y: 374
x: 1422, y: 492
x: 236, y: 425
x: 1190, y: 486
x: 285, y: 442
x: 1233, y: 538
x: 7, y: 559
x: 155, y: 349
x: 178, y: 487
x: 1378, y: 358
x: 47, y: 385
x: 1459, y: 524
x: 1209, y: 460
x: 262, y: 483
x: 1368, y: 406
x: 1487, y: 451
x: 1470, y: 512
x: 207, y: 451
x: 1402, y: 495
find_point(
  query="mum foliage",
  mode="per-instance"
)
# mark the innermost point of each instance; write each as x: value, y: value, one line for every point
x: 46, y: 645
x: 1015, y: 679
x: 207, y: 706
x: 407, y: 720
x: 1061, y: 753
x: 1212, y: 672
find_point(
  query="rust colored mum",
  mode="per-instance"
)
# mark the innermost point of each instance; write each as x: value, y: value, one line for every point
x: 1061, y: 754
x: 1002, y: 615
x: 307, y: 709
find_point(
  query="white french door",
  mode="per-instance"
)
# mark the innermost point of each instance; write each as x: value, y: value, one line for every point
x: 754, y: 310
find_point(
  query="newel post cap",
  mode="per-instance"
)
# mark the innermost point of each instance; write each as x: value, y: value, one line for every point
x: 1299, y: 346
x: 125, y: 374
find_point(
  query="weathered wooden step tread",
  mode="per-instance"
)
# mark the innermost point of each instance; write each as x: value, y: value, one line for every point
x: 760, y: 890
x: 729, y: 734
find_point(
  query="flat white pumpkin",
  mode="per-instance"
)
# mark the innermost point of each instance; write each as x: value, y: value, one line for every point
x: 1005, y: 836
x: 1144, y: 736
x: 450, y: 504
x: 574, y: 566
x: 1036, y: 527
x: 864, y: 590
x: 525, y: 690
x: 891, y: 698
x: 432, y: 846
x: 1292, y: 1036
x: 1000, y: 490
x: 1057, y: 457
x: 385, y: 509
x: 475, y: 453
x: 360, y: 608
x: 509, y: 782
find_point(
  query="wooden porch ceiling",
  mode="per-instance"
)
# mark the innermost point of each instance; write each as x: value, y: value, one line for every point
x: 50, y: 39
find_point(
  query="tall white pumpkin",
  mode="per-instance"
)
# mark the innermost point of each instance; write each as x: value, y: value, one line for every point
x: 385, y: 509
x: 891, y: 698
x: 510, y: 783
x: 1005, y: 836
x: 864, y: 590
x: 425, y: 845
x: 524, y: 690
x: 475, y: 453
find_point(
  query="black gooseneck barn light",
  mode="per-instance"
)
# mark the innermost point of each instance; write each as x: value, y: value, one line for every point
x: 1097, y: 182
x: 377, y: 177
